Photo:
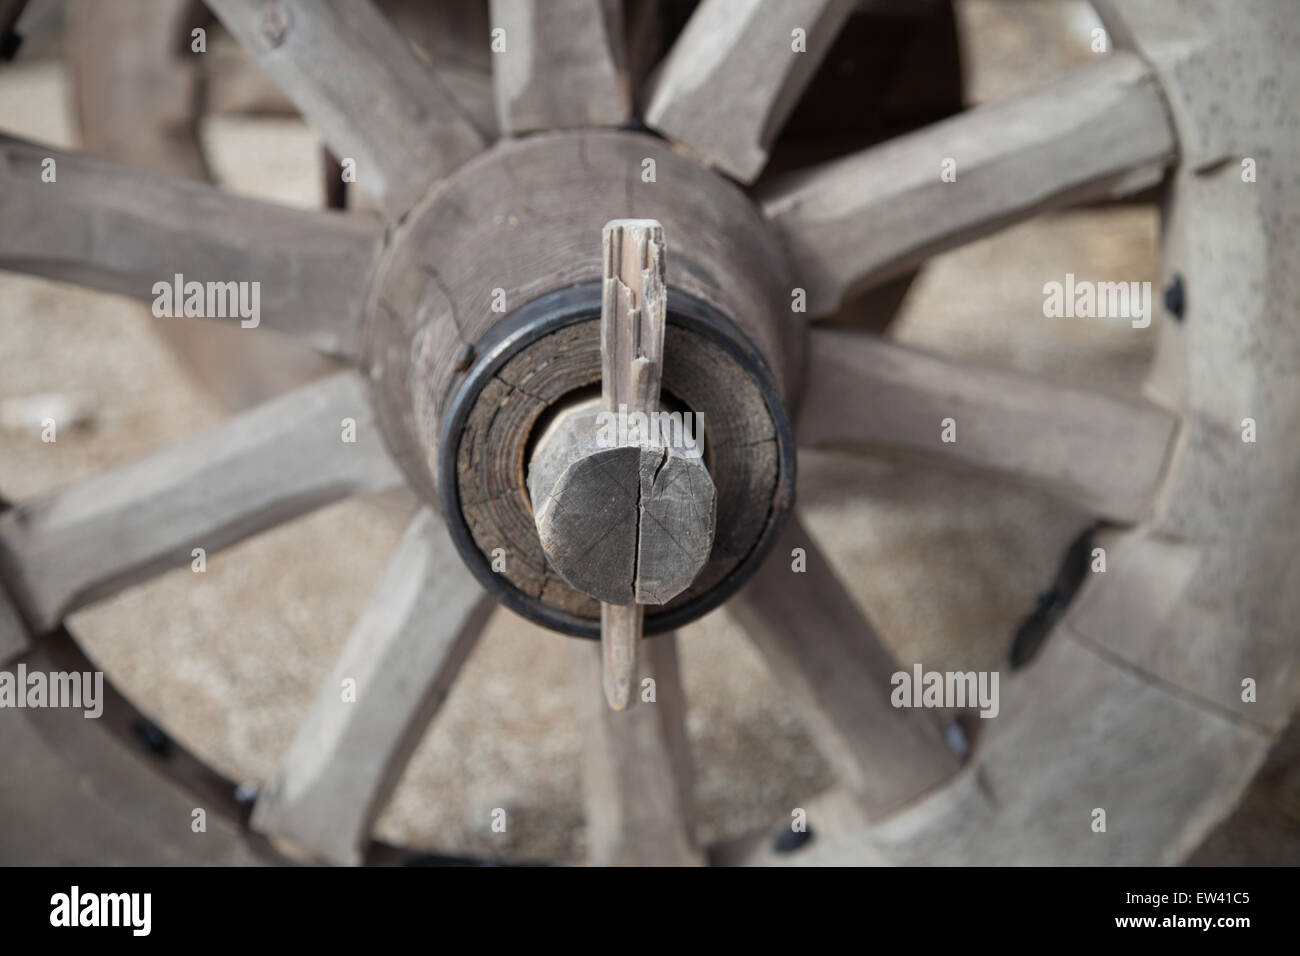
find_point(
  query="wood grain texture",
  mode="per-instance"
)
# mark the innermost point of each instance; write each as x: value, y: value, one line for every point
x: 403, y: 655
x: 620, y: 523
x: 621, y: 627
x: 587, y: 511
x: 120, y: 230
x: 852, y: 223
x: 1104, y: 452
x: 358, y: 81
x: 632, y: 315
x: 1226, y: 516
x: 826, y: 656
x: 257, y: 470
x: 453, y: 38
x: 564, y: 66
x: 633, y: 319
x: 636, y: 778
x: 733, y: 76
x: 678, y: 515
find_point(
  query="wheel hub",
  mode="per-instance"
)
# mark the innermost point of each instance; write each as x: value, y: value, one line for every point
x: 485, y: 314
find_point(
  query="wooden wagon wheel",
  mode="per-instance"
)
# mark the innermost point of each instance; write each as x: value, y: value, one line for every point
x: 469, y: 313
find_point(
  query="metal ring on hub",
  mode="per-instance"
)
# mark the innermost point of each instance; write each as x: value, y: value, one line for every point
x: 550, y: 348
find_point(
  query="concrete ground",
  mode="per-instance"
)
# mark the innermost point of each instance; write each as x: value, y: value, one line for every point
x: 228, y: 661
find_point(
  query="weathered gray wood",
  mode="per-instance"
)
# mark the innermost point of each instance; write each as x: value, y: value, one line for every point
x: 358, y: 81
x: 733, y: 76
x: 452, y: 38
x: 636, y: 766
x: 137, y: 83
x: 402, y: 656
x: 139, y: 90
x: 1077, y: 732
x: 587, y: 517
x: 1080, y: 729
x: 678, y: 516
x: 259, y: 469
x: 826, y: 656
x: 1098, y: 132
x: 1135, y: 705
x: 522, y: 215
x: 644, y: 30
x: 1221, y: 551
x: 1102, y: 451
x: 584, y: 500
x: 1080, y: 732
x: 632, y: 321
x: 621, y: 523
x: 473, y: 92
x: 121, y: 230
x: 564, y: 65
x: 620, y: 639
x: 632, y: 315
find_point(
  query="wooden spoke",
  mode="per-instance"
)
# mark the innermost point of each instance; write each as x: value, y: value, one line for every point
x: 564, y: 65
x: 736, y: 72
x: 1099, y: 132
x: 157, y: 83
x: 1104, y: 452
x: 636, y: 769
x: 121, y: 230
x: 358, y: 82
x: 402, y: 657
x: 828, y: 658
x: 259, y: 469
